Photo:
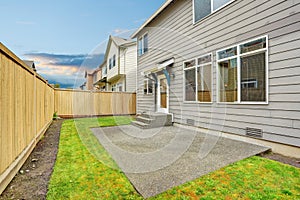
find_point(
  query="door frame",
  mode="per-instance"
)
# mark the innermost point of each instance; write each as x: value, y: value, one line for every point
x: 158, y: 98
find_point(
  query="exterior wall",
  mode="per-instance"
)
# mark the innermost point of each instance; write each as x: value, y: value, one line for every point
x: 127, y: 61
x: 130, y: 61
x: 119, y: 81
x: 176, y: 36
x: 113, y: 50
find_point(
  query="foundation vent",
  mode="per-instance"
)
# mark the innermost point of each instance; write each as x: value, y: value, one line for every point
x: 190, y: 122
x: 254, y: 132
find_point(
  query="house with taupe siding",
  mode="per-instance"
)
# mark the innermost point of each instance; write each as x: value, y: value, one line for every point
x: 224, y: 65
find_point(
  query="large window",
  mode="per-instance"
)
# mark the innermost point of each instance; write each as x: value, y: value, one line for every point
x: 198, y: 79
x: 242, y: 72
x: 143, y: 44
x: 112, y: 62
x: 202, y: 8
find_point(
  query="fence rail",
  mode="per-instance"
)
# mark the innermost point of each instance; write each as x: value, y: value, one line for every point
x: 27, y: 104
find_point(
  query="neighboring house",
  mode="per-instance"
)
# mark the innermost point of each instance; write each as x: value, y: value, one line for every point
x: 93, y: 80
x: 100, y: 79
x: 121, y: 59
x: 30, y: 64
x: 230, y: 65
x: 89, y: 81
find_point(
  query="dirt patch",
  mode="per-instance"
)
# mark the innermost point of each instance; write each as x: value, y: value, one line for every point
x: 32, y: 180
x: 284, y: 159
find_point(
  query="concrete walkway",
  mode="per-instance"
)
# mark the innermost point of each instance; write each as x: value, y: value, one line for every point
x: 156, y: 160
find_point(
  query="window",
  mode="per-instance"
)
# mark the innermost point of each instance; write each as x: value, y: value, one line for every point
x: 198, y: 79
x: 110, y: 64
x: 143, y: 45
x: 120, y: 87
x: 114, y: 61
x: 204, y: 77
x: 203, y: 8
x: 104, y: 71
x: 148, y: 86
x: 242, y: 72
x: 114, y: 88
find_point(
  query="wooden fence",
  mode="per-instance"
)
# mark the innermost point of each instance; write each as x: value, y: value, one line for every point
x: 27, y: 105
x: 77, y: 103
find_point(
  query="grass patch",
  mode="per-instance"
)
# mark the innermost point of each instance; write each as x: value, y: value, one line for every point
x: 78, y: 173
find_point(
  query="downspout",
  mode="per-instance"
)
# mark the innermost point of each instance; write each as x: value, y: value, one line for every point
x: 119, y: 61
x: 125, y: 80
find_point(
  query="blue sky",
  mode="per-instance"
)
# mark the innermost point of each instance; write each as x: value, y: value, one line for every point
x: 58, y: 34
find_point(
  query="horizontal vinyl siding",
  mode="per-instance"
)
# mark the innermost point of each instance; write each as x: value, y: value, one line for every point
x: 172, y: 34
x: 130, y: 68
x: 113, y: 50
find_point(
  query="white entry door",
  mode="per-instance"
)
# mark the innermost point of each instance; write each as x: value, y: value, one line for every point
x: 162, y: 95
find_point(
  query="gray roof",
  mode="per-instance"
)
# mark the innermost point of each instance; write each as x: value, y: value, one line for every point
x: 161, y: 9
x: 121, y: 41
x: 30, y: 64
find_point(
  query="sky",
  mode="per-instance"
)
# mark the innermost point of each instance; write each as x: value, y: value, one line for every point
x: 63, y: 36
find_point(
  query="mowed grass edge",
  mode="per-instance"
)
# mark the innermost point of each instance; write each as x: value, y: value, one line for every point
x: 84, y: 170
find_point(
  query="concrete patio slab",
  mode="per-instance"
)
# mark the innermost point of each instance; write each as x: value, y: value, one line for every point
x: 155, y: 160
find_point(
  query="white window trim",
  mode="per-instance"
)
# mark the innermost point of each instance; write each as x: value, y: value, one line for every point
x: 147, y: 80
x: 239, y: 56
x: 141, y: 38
x: 195, y: 67
x: 212, y: 10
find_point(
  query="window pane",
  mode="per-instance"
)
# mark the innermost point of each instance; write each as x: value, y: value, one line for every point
x: 204, y: 83
x: 227, y: 53
x: 145, y: 86
x: 254, y: 45
x: 202, y: 9
x: 190, y: 85
x: 204, y: 59
x: 114, y: 61
x: 140, y: 48
x: 189, y: 64
x: 253, y: 78
x: 228, y: 81
x: 219, y: 3
x: 145, y: 43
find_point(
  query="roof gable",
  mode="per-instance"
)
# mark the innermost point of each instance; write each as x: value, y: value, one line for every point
x: 161, y: 9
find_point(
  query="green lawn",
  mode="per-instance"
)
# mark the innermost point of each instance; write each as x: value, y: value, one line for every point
x: 78, y: 173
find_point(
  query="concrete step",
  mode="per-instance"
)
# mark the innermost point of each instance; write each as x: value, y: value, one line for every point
x: 144, y: 119
x: 153, y: 120
x: 140, y: 124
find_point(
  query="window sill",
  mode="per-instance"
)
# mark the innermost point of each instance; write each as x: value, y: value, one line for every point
x: 196, y: 102
x: 243, y: 103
